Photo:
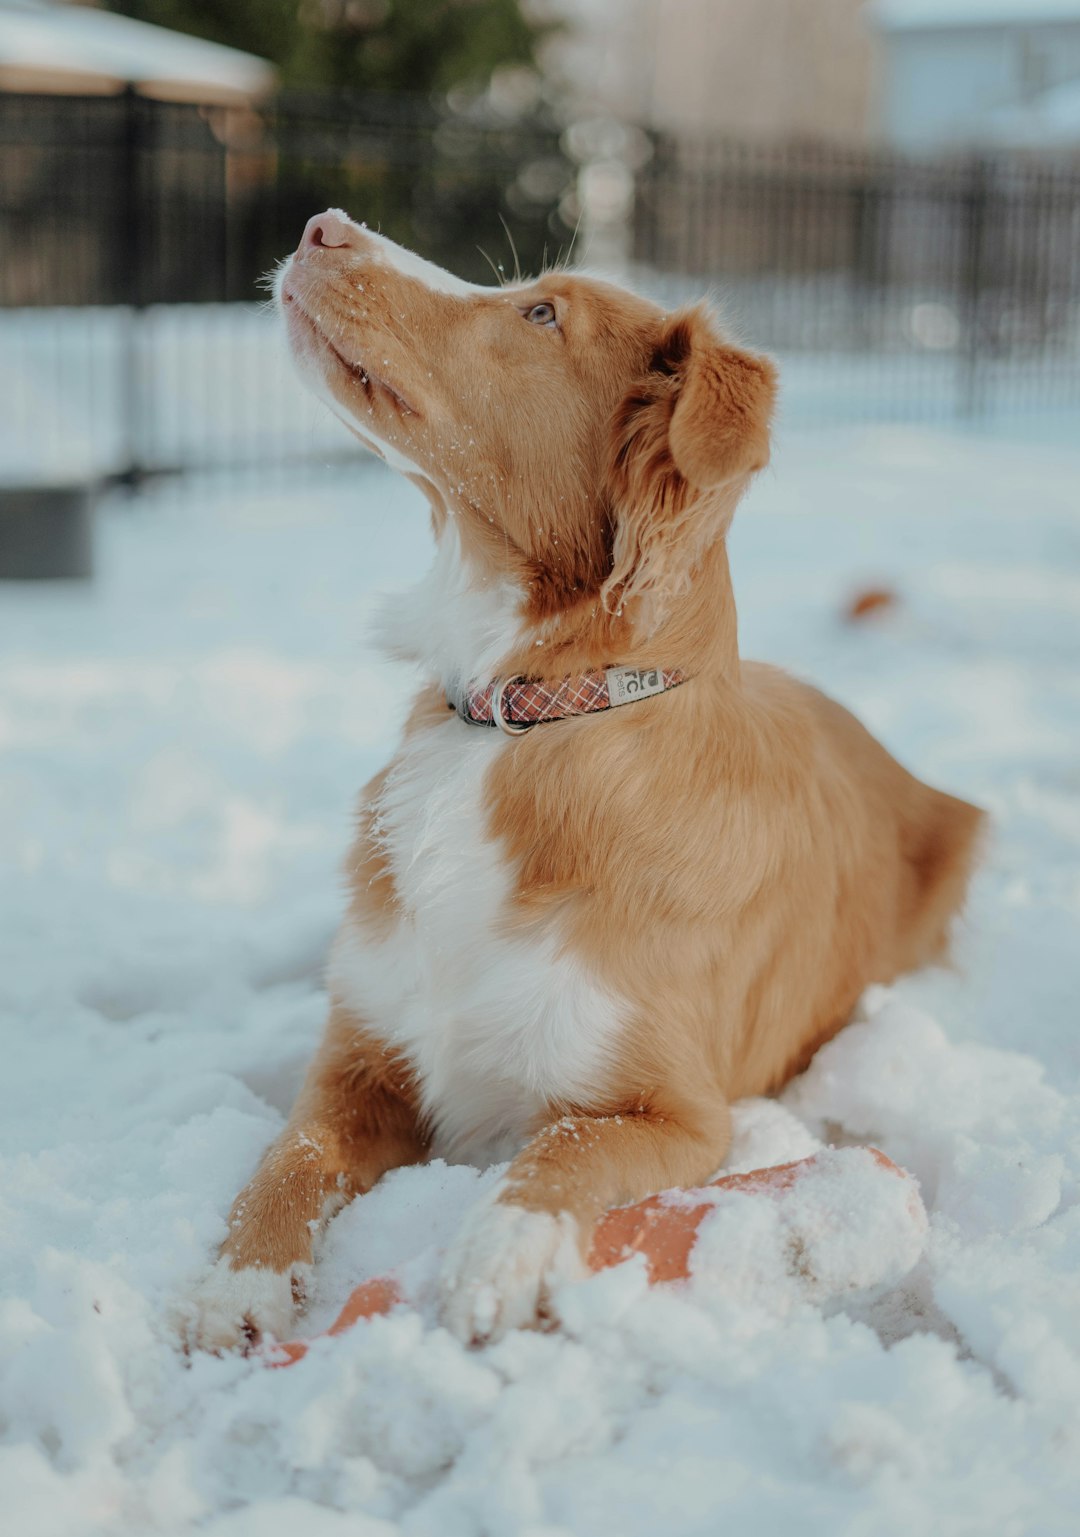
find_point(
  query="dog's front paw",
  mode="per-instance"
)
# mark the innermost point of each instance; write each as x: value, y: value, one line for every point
x: 502, y: 1268
x: 236, y: 1309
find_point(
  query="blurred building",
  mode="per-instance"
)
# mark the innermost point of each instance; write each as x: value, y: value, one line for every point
x: 959, y: 72
x: 744, y: 68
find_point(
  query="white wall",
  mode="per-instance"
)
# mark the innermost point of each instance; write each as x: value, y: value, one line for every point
x: 748, y: 68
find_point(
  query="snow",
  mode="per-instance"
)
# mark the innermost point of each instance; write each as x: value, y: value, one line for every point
x: 174, y: 385
x: 847, y: 1225
x: 181, y: 743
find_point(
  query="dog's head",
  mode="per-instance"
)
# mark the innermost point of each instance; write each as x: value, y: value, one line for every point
x: 589, y: 445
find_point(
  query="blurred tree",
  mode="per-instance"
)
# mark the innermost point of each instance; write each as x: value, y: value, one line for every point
x: 383, y: 45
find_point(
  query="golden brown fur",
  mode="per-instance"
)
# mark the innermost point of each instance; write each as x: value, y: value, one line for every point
x: 737, y: 859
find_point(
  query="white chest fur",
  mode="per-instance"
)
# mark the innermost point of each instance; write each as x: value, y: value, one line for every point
x: 496, y: 1022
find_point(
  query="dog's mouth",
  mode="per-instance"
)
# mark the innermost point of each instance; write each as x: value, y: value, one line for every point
x: 373, y: 385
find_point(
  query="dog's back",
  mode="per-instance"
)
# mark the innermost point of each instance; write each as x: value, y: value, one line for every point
x: 886, y: 877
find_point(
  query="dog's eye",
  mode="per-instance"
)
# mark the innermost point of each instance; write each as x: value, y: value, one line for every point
x: 541, y: 314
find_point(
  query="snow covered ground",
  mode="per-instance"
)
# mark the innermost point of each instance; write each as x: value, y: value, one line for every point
x: 190, y: 385
x: 179, y: 745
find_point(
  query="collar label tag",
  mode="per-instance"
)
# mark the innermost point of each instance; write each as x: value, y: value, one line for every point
x: 625, y: 684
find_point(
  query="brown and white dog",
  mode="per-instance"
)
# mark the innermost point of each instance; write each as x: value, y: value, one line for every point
x: 572, y: 944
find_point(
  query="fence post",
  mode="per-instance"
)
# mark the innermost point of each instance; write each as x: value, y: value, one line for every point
x: 608, y: 154
x: 130, y: 258
x: 973, y: 262
x: 870, y: 248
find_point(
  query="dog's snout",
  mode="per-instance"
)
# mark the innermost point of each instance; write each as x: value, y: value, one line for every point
x: 329, y: 231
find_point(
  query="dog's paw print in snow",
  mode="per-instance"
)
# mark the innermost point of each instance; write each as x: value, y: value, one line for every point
x: 235, y: 1309
x: 503, y: 1268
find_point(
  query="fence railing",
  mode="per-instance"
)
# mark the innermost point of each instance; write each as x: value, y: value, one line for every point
x: 128, y: 200
x: 134, y: 233
x: 960, y: 273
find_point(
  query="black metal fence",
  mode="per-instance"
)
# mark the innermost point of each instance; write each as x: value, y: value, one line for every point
x: 951, y: 285
x: 134, y: 233
x: 128, y: 200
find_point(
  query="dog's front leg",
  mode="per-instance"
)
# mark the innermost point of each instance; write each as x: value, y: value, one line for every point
x: 355, y: 1118
x: 535, y: 1228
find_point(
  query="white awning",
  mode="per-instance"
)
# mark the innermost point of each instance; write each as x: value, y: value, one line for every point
x: 73, y: 49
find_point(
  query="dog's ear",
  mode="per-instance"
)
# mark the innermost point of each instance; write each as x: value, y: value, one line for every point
x: 688, y: 437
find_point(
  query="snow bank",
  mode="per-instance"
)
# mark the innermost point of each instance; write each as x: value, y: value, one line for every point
x: 179, y: 748
x: 997, y: 1152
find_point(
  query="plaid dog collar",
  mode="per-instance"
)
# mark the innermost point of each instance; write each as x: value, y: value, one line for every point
x: 515, y: 705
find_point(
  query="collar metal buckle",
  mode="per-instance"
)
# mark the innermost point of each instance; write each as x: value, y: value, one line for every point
x: 511, y: 728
